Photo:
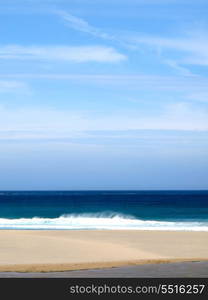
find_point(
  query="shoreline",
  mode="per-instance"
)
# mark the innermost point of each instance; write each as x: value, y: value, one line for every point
x: 52, y: 250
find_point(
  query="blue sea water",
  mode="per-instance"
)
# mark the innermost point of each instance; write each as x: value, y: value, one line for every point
x: 141, y: 210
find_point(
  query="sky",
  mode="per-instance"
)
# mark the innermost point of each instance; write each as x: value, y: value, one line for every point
x: 103, y: 94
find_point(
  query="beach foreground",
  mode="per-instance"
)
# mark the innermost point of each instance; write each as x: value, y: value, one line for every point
x: 46, y: 251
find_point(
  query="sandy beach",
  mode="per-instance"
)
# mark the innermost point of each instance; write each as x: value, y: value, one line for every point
x: 46, y: 251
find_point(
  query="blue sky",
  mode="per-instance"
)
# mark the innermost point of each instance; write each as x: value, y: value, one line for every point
x: 107, y: 94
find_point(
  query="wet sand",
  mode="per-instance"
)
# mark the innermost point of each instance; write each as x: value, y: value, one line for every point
x: 47, y: 251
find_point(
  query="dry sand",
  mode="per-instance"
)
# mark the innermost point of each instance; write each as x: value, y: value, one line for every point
x: 44, y: 251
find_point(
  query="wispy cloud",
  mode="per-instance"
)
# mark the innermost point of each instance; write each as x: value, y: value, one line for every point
x: 82, y: 25
x: 62, y: 53
x: 193, y: 49
x: 180, y: 69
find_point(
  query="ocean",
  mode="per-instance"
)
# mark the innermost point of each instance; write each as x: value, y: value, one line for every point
x: 140, y: 210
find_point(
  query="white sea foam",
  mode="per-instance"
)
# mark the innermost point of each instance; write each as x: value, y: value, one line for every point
x: 99, y: 221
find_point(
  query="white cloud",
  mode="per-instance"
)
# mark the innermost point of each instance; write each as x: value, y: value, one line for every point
x: 62, y: 53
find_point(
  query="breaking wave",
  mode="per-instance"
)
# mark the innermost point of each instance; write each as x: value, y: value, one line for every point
x: 99, y: 221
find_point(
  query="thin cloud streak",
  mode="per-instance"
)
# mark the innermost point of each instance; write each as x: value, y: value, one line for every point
x: 82, y: 25
x: 77, y: 54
